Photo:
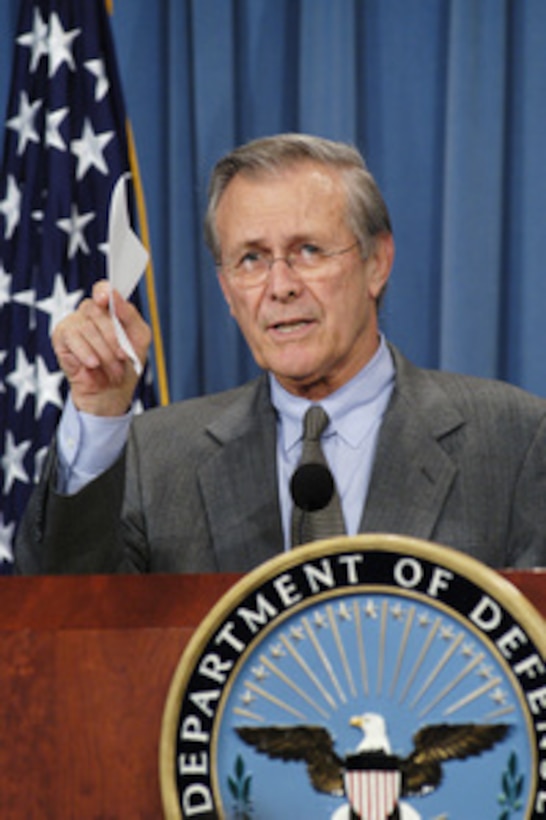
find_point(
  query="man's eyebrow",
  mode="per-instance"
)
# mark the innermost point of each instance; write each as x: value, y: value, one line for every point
x: 249, y: 243
x: 261, y: 242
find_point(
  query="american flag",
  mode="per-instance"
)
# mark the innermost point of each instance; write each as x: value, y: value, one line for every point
x: 65, y: 146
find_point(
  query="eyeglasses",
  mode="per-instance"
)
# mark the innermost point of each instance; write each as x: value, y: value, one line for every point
x: 307, y: 260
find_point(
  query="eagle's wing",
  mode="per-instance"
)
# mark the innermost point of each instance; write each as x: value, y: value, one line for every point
x: 313, y: 744
x: 433, y: 745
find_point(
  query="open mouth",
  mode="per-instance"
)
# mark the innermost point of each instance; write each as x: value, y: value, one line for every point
x: 288, y: 326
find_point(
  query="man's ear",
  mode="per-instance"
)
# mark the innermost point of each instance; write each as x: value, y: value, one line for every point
x: 380, y: 263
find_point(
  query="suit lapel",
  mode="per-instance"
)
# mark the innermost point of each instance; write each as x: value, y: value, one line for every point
x: 239, y: 483
x: 412, y: 464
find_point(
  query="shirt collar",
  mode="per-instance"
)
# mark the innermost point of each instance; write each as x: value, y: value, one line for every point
x: 366, y: 394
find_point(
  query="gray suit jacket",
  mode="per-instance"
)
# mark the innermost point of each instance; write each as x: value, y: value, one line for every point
x: 460, y: 461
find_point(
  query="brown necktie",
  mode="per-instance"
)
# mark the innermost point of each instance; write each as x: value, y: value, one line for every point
x: 314, y: 524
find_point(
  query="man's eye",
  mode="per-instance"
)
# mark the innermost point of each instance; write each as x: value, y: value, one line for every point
x: 250, y: 260
x: 309, y: 251
x: 307, y: 254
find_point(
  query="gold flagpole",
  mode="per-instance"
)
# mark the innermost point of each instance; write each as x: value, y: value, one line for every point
x: 161, y: 370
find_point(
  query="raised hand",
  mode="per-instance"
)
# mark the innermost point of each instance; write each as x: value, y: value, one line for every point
x: 102, y: 377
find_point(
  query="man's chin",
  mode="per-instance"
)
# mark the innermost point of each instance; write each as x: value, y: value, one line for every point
x: 299, y: 381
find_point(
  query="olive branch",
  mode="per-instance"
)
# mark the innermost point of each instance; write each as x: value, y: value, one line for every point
x: 240, y: 785
x: 512, y: 787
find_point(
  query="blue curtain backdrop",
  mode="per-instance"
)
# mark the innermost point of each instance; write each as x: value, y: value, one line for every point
x: 446, y: 99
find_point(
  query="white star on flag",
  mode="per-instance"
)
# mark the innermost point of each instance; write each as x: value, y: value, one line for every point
x: 89, y: 150
x: 3, y: 357
x: 48, y: 387
x: 73, y: 226
x: 23, y: 123
x: 6, y: 536
x: 102, y: 86
x: 36, y: 40
x: 22, y: 379
x: 5, y: 285
x: 27, y: 298
x: 10, y: 206
x: 12, y: 462
x: 60, y: 45
x: 53, y: 136
x: 60, y: 303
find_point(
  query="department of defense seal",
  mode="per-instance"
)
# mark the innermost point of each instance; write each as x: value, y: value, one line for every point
x: 376, y: 677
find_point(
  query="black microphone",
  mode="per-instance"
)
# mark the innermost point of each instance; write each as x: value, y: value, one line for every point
x: 312, y: 486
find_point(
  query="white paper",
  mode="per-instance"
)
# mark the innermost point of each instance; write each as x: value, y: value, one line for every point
x: 126, y: 260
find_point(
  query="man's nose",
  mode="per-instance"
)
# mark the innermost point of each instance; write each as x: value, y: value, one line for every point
x: 283, y: 281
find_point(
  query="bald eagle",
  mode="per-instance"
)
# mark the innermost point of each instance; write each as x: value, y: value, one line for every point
x: 374, y: 730
x: 421, y: 771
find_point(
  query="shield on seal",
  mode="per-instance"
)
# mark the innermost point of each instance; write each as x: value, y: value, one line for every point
x: 372, y: 784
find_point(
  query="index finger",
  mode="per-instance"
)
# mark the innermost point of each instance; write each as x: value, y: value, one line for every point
x: 101, y: 292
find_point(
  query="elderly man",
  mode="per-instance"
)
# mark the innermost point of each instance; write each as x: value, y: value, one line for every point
x: 303, y: 245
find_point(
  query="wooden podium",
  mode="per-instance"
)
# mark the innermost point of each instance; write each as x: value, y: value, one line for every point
x: 86, y: 664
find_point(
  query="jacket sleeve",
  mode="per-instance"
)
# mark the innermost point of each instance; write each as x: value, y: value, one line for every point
x: 77, y: 534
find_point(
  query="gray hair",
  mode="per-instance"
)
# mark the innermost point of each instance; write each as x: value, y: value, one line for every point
x: 367, y: 214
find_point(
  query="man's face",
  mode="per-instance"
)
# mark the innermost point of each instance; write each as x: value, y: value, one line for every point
x: 312, y: 334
